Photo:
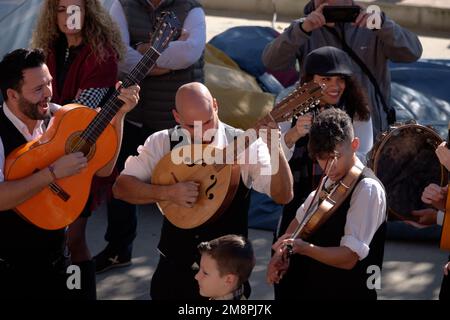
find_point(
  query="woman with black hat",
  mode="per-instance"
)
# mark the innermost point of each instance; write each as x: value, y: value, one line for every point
x: 330, y: 67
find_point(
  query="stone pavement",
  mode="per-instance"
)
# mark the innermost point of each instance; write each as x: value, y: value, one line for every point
x: 410, y: 270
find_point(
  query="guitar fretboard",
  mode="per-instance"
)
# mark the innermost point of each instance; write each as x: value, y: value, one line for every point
x: 109, y: 110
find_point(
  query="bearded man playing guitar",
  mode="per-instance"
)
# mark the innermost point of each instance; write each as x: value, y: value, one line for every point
x: 339, y: 256
x: 34, y: 261
x: 196, y: 112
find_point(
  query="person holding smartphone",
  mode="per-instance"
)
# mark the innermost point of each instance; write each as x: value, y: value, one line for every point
x: 370, y: 49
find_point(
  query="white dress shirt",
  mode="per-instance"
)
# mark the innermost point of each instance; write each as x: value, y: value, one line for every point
x: 366, y: 213
x: 440, y: 218
x: 179, y: 54
x: 38, y: 130
x: 157, y: 145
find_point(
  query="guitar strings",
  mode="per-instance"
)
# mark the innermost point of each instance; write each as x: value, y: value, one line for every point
x: 130, y: 79
x: 108, y: 111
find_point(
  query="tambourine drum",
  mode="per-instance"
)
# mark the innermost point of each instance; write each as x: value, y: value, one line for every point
x: 404, y: 160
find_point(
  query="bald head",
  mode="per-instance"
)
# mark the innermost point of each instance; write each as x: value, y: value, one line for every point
x: 193, y: 98
x: 195, y: 104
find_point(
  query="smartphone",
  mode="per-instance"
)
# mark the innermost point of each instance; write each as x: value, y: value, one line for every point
x: 341, y: 13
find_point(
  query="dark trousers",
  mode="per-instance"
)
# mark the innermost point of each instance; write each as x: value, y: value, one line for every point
x: 33, y: 278
x: 173, y: 280
x: 445, y: 288
x: 122, y: 217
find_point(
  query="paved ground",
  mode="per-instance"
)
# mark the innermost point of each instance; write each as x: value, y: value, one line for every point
x: 411, y: 270
x: 424, y: 3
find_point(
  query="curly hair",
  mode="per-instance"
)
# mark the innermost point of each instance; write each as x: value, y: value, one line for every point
x: 99, y: 30
x: 330, y: 128
x: 353, y: 99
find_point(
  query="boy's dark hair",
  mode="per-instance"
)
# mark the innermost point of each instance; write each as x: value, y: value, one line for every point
x: 233, y: 254
x: 330, y: 128
x: 13, y: 65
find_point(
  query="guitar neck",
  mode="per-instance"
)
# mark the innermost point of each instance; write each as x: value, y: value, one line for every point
x: 241, y: 143
x: 113, y: 104
x: 281, y: 112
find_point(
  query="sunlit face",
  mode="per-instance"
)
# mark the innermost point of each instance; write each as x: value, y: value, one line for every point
x: 197, y: 123
x: 62, y: 15
x: 344, y: 160
x: 334, y: 88
x: 35, y: 93
x: 211, y: 283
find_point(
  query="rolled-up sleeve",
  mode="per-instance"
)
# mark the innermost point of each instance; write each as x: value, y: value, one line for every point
x: 257, y: 173
x: 367, y: 212
x: 284, y: 127
x: 182, y: 54
x: 149, y: 154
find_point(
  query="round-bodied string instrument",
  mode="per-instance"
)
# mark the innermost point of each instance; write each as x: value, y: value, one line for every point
x: 404, y: 160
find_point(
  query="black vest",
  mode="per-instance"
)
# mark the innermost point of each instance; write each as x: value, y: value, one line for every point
x: 316, y: 280
x: 157, y: 95
x: 181, y: 244
x: 17, y: 236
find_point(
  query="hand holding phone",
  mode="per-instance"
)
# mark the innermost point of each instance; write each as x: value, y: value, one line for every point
x: 314, y: 20
x: 328, y: 15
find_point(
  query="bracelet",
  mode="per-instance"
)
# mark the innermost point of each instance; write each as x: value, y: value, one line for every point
x: 52, y: 172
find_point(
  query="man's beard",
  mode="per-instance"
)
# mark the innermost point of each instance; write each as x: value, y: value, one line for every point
x: 31, y: 110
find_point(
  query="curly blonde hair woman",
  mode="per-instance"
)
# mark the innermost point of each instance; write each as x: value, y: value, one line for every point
x: 84, y: 65
x: 98, y: 28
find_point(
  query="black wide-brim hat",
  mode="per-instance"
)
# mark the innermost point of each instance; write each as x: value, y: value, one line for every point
x: 328, y: 61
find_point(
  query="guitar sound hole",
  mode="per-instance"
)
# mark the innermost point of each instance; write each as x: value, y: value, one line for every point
x: 210, y: 196
x: 76, y: 144
x: 86, y: 149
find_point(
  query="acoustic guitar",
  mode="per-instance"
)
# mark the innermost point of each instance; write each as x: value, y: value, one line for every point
x: 78, y: 128
x: 445, y: 235
x: 219, y: 180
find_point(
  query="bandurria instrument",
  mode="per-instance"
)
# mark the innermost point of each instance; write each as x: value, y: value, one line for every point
x: 219, y: 181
